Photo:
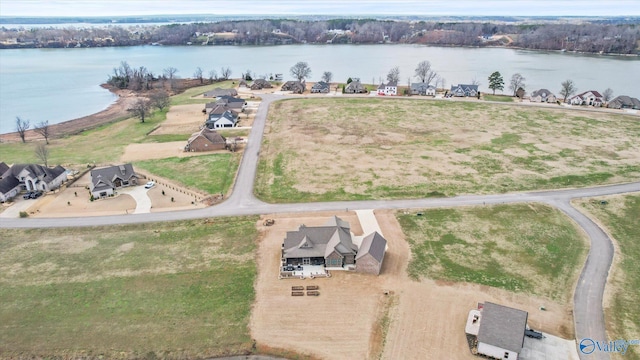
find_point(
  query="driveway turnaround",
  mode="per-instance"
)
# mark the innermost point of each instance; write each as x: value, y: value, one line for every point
x: 588, y: 312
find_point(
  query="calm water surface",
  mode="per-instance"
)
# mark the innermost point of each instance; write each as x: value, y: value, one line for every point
x: 63, y: 84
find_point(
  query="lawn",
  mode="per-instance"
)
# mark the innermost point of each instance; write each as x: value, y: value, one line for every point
x: 361, y: 148
x: 530, y: 248
x: 500, y: 98
x: 621, y: 218
x: 168, y: 290
x: 213, y: 173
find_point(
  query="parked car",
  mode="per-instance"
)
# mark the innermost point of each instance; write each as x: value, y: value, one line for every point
x: 150, y: 184
x: 36, y: 194
x: 27, y: 195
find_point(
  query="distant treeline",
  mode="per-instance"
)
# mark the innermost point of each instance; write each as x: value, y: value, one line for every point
x: 598, y: 36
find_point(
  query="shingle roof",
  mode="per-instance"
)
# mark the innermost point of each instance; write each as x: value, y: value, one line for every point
x: 502, y: 326
x: 319, y: 241
x: 8, y: 183
x: 213, y: 136
x: 542, y: 92
x: 373, y: 244
x: 3, y: 168
x: 104, y: 177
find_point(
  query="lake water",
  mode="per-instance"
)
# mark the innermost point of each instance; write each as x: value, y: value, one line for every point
x: 63, y: 84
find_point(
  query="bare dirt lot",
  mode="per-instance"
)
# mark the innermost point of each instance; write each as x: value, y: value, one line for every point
x: 353, y: 318
x: 66, y: 204
x: 148, y: 151
x: 414, y: 148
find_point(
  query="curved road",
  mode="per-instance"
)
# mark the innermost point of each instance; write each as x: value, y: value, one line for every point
x: 588, y: 312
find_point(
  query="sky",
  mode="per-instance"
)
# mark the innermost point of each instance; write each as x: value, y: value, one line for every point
x: 321, y: 7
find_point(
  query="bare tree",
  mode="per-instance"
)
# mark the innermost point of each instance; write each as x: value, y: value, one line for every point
x: 394, y: 75
x: 327, y: 76
x: 425, y: 73
x: 213, y: 75
x: 198, y: 74
x: 160, y: 99
x: 517, y: 82
x: 225, y: 73
x: 568, y: 89
x: 607, y: 95
x: 42, y: 153
x: 300, y: 70
x: 43, y: 129
x: 22, y: 126
x: 475, y: 81
x: 170, y: 73
x: 140, y: 108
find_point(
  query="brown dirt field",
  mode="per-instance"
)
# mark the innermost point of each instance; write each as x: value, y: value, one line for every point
x: 182, y: 119
x: 427, y: 318
x: 148, y: 151
x: 55, y: 205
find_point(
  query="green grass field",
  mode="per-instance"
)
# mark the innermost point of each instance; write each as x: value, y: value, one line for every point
x: 175, y: 289
x: 500, y: 98
x: 621, y: 217
x: 530, y: 248
x: 211, y: 173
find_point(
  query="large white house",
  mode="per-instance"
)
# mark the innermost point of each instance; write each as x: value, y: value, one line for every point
x: 389, y: 89
x: 30, y: 177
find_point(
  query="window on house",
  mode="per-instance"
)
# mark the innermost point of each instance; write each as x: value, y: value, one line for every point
x: 506, y: 355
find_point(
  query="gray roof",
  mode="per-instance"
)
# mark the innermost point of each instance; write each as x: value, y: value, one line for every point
x: 625, y: 101
x: 392, y: 83
x: 373, y: 244
x: 8, y: 183
x: 35, y: 170
x: 502, y: 326
x: 354, y: 86
x: 225, y: 115
x: 260, y: 84
x: 230, y: 101
x: 320, y: 85
x: 542, y: 92
x: 217, y: 92
x: 3, y: 168
x: 104, y: 177
x: 319, y: 241
x: 295, y: 86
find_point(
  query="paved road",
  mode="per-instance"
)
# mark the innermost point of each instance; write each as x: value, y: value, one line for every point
x: 588, y: 312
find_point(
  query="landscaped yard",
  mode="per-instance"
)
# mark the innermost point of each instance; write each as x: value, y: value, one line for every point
x: 213, y: 173
x: 175, y: 289
x: 621, y: 218
x: 530, y: 248
x: 346, y: 149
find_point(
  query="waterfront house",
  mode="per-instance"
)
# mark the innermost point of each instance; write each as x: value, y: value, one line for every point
x: 320, y: 87
x: 542, y: 95
x: 462, y: 90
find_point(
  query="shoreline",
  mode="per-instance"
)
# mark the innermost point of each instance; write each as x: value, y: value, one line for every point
x: 114, y: 112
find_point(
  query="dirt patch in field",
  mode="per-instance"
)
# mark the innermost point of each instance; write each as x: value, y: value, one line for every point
x: 182, y: 119
x: 149, y: 151
x: 425, y: 318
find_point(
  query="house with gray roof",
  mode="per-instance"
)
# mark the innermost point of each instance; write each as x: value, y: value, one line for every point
x: 371, y: 254
x: 259, y: 84
x: 30, y: 177
x: 105, y: 181
x: 500, y: 330
x: 423, y: 89
x: 217, y: 92
x: 355, y: 87
x: 232, y: 102
x: 331, y: 245
x: 461, y: 90
x: 295, y: 87
x: 624, y: 102
x: 217, y: 109
x: 543, y: 95
x: 391, y: 88
x: 320, y: 87
x: 224, y: 120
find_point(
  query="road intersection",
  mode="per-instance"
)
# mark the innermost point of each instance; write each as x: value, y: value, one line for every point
x: 588, y: 311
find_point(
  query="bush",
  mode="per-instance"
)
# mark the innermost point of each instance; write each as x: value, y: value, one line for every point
x: 23, y: 214
x: 91, y: 198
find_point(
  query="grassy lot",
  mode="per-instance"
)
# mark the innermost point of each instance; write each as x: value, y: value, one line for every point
x: 621, y: 218
x: 212, y: 173
x: 187, y: 96
x: 529, y: 248
x: 500, y: 98
x: 176, y: 289
x: 361, y: 148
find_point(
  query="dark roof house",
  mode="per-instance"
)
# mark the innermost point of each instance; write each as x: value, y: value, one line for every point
x: 217, y: 92
x: 30, y: 177
x: 226, y: 119
x: 371, y: 254
x: 464, y: 90
x: 320, y: 87
x: 295, y: 87
x: 259, y: 84
x: 105, y: 180
x: 624, y: 102
x: 355, y: 87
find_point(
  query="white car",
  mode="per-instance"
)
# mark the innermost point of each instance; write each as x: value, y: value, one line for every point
x: 150, y: 184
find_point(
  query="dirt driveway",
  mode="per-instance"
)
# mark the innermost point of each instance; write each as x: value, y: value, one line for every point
x: 347, y: 321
